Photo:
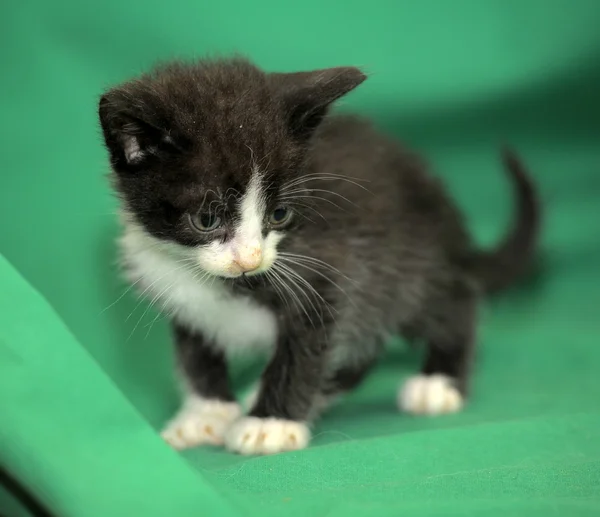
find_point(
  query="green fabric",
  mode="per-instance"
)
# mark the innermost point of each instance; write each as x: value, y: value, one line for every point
x: 10, y: 504
x: 84, y: 386
x: 70, y: 432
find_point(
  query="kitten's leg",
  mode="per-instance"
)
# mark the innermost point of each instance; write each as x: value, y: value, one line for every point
x: 450, y: 336
x: 209, y: 407
x: 346, y: 378
x: 340, y: 382
x: 288, y: 390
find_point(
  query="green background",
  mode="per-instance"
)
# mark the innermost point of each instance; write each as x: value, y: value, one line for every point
x: 83, y: 389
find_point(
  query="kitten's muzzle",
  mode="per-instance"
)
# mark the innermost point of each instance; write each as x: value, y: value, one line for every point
x: 248, y: 259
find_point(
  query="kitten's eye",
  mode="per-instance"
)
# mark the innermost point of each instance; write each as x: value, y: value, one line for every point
x: 280, y: 216
x: 205, y: 221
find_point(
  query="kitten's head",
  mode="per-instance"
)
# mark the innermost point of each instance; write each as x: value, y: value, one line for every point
x: 204, y: 154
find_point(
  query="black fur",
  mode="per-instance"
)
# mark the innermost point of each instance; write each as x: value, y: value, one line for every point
x: 201, y: 129
x: 402, y: 257
x: 203, y: 365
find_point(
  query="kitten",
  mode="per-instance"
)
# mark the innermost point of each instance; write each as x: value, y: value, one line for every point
x: 257, y: 219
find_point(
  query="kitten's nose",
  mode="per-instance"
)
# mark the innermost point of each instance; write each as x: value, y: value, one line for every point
x: 248, y: 259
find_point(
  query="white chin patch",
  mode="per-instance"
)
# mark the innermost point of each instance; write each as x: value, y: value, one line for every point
x: 252, y: 435
x: 429, y: 395
x: 200, y: 421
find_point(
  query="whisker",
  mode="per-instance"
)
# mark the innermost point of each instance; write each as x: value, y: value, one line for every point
x: 158, y: 315
x: 307, y: 177
x: 304, y: 216
x: 325, y: 177
x: 332, y: 282
x: 122, y: 295
x: 299, y: 278
x: 328, y: 306
x: 140, y: 296
x: 289, y: 289
x: 272, y: 277
x: 268, y: 155
x: 283, y: 198
x: 324, y: 191
x: 199, y: 275
x: 316, y: 262
x: 148, y: 308
x: 286, y: 289
x: 304, y: 205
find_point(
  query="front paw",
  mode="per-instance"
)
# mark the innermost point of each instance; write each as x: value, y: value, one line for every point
x: 252, y: 435
x: 430, y: 395
x: 200, y: 421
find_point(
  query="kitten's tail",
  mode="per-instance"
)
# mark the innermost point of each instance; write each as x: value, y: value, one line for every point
x: 502, y: 266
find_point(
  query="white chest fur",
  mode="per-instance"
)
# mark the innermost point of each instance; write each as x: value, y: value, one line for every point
x: 234, y: 323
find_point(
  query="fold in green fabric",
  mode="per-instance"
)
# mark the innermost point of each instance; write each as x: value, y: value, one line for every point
x: 69, y: 435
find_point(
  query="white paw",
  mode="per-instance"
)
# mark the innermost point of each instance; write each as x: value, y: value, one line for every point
x: 429, y: 395
x: 200, y: 421
x: 252, y: 435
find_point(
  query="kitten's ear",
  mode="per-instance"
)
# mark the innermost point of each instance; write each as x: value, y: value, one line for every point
x: 131, y: 141
x: 308, y: 95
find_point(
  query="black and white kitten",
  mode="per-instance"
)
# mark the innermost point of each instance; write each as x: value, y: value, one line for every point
x: 254, y: 218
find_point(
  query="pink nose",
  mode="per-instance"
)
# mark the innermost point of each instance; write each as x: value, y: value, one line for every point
x: 249, y: 259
